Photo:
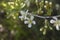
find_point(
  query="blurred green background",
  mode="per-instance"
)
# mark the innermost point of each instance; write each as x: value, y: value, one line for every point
x: 12, y: 28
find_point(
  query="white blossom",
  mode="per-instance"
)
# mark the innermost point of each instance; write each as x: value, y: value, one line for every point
x: 52, y: 21
x: 30, y: 21
x: 23, y: 15
x: 56, y: 23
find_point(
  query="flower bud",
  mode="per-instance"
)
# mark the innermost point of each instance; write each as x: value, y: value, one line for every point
x: 46, y: 2
x: 50, y: 3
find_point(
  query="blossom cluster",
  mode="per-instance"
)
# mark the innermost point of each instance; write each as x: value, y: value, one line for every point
x: 27, y: 20
x: 55, y: 22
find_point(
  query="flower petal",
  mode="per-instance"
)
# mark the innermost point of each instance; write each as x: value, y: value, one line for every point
x: 29, y: 25
x: 25, y: 17
x: 33, y: 22
x: 26, y: 22
x: 57, y: 27
x: 22, y: 12
x: 27, y: 11
x: 32, y: 17
x: 55, y: 18
x: 21, y: 17
x: 52, y: 21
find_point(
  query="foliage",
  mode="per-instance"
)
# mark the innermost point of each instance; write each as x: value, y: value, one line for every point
x: 12, y: 28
